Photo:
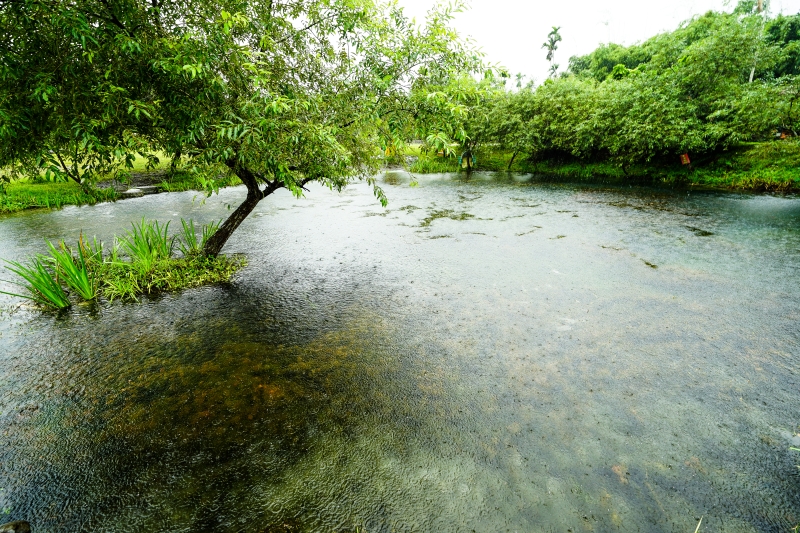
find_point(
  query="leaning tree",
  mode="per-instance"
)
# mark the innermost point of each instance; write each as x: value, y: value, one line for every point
x: 277, y: 93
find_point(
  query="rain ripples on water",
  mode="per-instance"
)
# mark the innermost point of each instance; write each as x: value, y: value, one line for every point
x: 488, y: 353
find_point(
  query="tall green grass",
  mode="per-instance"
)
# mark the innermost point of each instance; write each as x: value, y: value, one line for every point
x: 92, y: 250
x: 40, y: 284
x: 147, y: 243
x: 190, y: 244
x: 73, y: 270
x: 141, y: 262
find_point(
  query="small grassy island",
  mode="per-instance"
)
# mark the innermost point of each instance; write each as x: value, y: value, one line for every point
x: 142, y: 262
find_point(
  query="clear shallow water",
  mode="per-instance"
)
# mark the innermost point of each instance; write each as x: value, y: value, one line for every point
x: 486, y: 354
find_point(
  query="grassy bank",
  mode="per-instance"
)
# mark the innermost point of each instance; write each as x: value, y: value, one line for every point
x: 767, y: 166
x: 190, y: 182
x: 30, y: 194
x: 37, y: 193
x: 142, y: 262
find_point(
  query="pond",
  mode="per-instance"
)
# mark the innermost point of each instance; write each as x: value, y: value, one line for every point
x: 488, y: 353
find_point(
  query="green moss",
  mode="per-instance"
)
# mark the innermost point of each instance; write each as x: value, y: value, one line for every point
x: 444, y: 213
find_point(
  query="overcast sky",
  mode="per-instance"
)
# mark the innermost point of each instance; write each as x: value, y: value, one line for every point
x: 511, y: 32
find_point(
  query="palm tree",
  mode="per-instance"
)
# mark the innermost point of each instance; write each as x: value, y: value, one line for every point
x: 551, y: 45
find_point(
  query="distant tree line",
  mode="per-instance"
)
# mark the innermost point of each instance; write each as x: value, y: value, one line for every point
x: 718, y: 80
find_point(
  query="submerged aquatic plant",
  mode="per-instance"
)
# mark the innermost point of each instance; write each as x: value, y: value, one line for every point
x: 40, y: 284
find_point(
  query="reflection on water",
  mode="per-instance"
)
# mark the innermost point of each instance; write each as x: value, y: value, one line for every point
x: 487, y: 354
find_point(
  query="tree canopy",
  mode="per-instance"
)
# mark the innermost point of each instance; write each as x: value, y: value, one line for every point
x: 278, y: 94
x: 283, y: 93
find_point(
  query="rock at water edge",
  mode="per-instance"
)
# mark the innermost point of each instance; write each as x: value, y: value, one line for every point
x: 131, y: 193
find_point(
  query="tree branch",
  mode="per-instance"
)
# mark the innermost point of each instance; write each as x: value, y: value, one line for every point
x: 315, y: 23
x: 271, y: 187
x: 114, y: 18
x: 66, y: 168
x: 304, y: 182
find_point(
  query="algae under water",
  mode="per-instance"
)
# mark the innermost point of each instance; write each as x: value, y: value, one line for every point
x: 532, y: 372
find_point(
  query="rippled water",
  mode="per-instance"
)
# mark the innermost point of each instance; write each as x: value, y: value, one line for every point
x: 487, y: 354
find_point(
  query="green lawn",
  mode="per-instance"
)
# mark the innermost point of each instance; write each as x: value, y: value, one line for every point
x: 24, y: 195
x: 29, y: 194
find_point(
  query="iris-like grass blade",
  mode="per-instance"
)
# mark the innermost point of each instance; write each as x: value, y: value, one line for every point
x: 41, y: 286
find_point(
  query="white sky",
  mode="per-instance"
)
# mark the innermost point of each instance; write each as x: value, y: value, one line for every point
x: 511, y: 32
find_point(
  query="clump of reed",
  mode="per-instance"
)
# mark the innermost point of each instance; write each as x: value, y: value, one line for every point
x: 39, y: 282
x: 190, y: 244
x: 142, y: 261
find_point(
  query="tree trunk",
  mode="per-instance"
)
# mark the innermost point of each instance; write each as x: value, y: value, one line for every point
x: 214, y: 245
x: 755, y: 59
x: 254, y: 195
x: 176, y: 157
x: 513, y: 156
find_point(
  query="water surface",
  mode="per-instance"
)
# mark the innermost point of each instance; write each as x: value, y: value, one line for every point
x: 487, y: 354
